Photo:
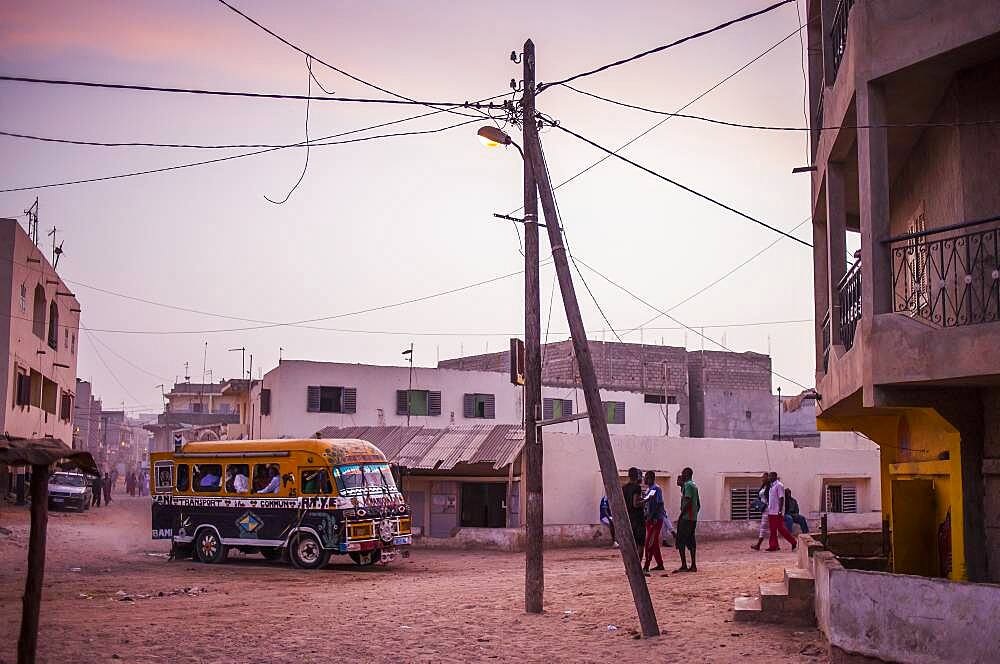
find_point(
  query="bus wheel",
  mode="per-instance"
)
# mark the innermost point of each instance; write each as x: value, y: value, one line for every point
x: 209, y: 548
x: 365, y: 558
x: 271, y: 553
x: 306, y: 552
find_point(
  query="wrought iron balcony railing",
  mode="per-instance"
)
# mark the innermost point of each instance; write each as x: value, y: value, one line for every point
x: 850, y: 304
x: 838, y: 33
x: 948, y: 276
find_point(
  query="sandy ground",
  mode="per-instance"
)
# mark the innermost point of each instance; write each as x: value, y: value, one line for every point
x: 436, y: 606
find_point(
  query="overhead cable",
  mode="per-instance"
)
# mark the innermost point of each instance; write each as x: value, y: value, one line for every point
x: 658, y: 49
x: 682, y: 186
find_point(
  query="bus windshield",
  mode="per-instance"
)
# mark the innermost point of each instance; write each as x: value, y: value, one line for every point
x: 363, y: 477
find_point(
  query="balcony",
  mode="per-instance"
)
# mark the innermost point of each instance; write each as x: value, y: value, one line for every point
x: 838, y: 33
x: 949, y: 276
x: 850, y: 304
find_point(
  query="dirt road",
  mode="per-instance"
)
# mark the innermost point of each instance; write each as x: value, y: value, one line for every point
x: 111, y: 595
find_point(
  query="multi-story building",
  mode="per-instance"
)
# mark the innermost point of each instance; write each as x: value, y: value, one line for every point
x: 87, y: 420
x: 908, y: 332
x: 39, y: 329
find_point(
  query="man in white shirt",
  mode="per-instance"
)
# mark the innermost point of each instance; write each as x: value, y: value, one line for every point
x: 240, y: 482
x: 776, y: 515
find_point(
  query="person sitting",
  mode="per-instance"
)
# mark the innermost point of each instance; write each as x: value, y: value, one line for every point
x: 274, y: 485
x: 792, y: 515
x: 209, y: 480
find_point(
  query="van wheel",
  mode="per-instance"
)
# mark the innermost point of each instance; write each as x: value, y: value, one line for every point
x: 306, y: 552
x: 365, y: 558
x: 209, y: 548
x: 271, y: 553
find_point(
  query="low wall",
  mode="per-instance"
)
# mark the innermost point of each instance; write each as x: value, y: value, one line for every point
x: 902, y: 618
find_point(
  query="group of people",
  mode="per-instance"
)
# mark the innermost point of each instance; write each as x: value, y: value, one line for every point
x: 779, y: 513
x: 102, y: 486
x: 648, y: 518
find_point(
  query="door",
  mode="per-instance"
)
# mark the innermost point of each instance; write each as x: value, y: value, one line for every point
x: 914, y: 531
x: 417, y: 500
x: 483, y: 504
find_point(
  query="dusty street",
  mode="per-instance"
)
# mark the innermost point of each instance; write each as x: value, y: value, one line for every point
x: 110, y: 594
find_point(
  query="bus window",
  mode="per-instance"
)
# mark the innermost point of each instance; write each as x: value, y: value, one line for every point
x: 266, y: 478
x: 207, y: 477
x: 237, y: 477
x: 164, y: 477
x: 355, y: 478
x: 316, y: 481
x: 182, y: 477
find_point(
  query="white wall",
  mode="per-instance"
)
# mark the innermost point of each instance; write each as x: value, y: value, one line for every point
x: 573, y: 486
x: 376, y: 400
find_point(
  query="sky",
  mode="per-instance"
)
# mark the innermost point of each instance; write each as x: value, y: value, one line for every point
x: 379, y: 222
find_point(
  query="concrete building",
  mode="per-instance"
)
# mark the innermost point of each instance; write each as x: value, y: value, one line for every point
x: 299, y: 397
x: 908, y: 332
x: 39, y: 333
x: 218, y: 407
x: 718, y: 394
x: 87, y: 420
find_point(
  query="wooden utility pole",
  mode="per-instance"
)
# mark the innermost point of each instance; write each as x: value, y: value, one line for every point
x: 534, y: 572
x: 27, y: 642
x: 588, y: 377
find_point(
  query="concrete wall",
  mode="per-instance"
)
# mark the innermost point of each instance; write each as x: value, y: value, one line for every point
x: 376, y: 400
x: 25, y: 265
x: 573, y: 486
x: 991, y: 482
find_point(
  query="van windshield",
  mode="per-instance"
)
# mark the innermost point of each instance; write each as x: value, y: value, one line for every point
x: 359, y: 478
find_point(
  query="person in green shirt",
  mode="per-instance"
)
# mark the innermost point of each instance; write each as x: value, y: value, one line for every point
x: 688, y: 520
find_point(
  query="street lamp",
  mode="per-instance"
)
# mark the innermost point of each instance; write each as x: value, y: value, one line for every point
x: 492, y: 137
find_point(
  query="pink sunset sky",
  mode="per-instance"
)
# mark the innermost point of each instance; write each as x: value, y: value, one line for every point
x: 383, y: 221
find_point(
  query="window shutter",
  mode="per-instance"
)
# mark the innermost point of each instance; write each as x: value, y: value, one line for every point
x: 849, y: 498
x: 491, y: 407
x: 265, y: 401
x: 829, y: 500
x: 546, y: 409
x: 619, y: 412
x: 433, y: 403
x: 313, y: 399
x: 402, y: 404
x: 567, y: 407
x: 739, y: 505
x: 350, y: 399
x: 469, y: 405
x: 23, y: 393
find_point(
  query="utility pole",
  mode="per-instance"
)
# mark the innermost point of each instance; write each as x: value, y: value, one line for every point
x: 249, y: 400
x: 534, y: 570
x: 409, y: 389
x: 588, y: 377
x: 779, y: 412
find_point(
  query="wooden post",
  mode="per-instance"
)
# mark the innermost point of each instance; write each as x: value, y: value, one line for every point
x: 534, y: 571
x: 27, y: 643
x: 588, y: 377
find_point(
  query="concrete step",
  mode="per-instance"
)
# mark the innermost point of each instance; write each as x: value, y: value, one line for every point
x: 780, y: 607
x: 800, y: 583
x: 747, y: 609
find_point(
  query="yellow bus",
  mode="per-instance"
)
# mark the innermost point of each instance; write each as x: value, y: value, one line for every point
x: 305, y: 499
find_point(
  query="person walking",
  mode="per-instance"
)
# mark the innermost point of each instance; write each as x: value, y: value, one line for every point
x: 96, y: 490
x: 107, y: 489
x: 608, y: 520
x: 687, y: 522
x: 633, y: 505
x: 775, y: 514
x: 761, y: 505
x: 654, y: 510
x: 792, y: 515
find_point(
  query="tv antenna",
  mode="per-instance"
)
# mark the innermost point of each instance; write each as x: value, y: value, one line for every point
x: 56, y: 251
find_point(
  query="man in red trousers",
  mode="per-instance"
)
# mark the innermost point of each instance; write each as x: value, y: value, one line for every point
x: 776, y: 514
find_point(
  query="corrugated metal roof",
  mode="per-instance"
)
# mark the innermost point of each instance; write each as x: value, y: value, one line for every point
x: 440, y: 449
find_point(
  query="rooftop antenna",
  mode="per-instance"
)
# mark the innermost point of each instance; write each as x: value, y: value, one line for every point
x: 187, y: 372
x: 32, y: 213
x: 56, y: 251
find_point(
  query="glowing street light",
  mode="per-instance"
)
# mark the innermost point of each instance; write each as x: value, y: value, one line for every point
x: 491, y: 137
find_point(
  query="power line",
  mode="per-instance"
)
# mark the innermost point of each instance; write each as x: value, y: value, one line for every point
x: 112, y: 373
x: 305, y: 166
x: 252, y: 95
x: 691, y: 102
x: 687, y: 327
x: 721, y: 26
x: 744, y: 125
x: 124, y: 359
x: 238, y: 156
x: 682, y: 186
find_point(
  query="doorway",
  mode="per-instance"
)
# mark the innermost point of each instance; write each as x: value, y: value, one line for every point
x: 483, y: 505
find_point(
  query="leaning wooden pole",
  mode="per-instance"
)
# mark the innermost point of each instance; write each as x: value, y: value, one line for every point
x: 588, y: 377
x: 27, y: 643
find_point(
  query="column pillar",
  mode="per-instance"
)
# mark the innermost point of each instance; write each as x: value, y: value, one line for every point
x: 873, y: 187
x: 836, y: 242
x: 821, y: 288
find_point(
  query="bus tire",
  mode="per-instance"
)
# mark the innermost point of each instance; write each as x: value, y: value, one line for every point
x: 365, y: 558
x: 209, y: 547
x: 306, y: 552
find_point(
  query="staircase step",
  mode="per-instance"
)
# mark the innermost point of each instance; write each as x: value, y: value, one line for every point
x: 773, y: 597
x: 800, y: 583
x: 747, y: 609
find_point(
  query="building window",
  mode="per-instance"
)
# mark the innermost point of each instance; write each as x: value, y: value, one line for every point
x: 479, y: 406
x: 66, y: 338
x: 654, y: 398
x: 265, y: 401
x: 672, y: 400
x: 418, y: 402
x: 841, y: 498
x: 615, y: 411
x: 53, y: 325
x: 555, y: 408
x: 72, y: 343
x: 50, y: 394
x: 196, y: 407
x: 743, y: 503
x: 326, y: 399
x: 36, y: 388
x: 24, y: 298
x: 38, y: 312
x: 66, y: 407
x: 22, y: 387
